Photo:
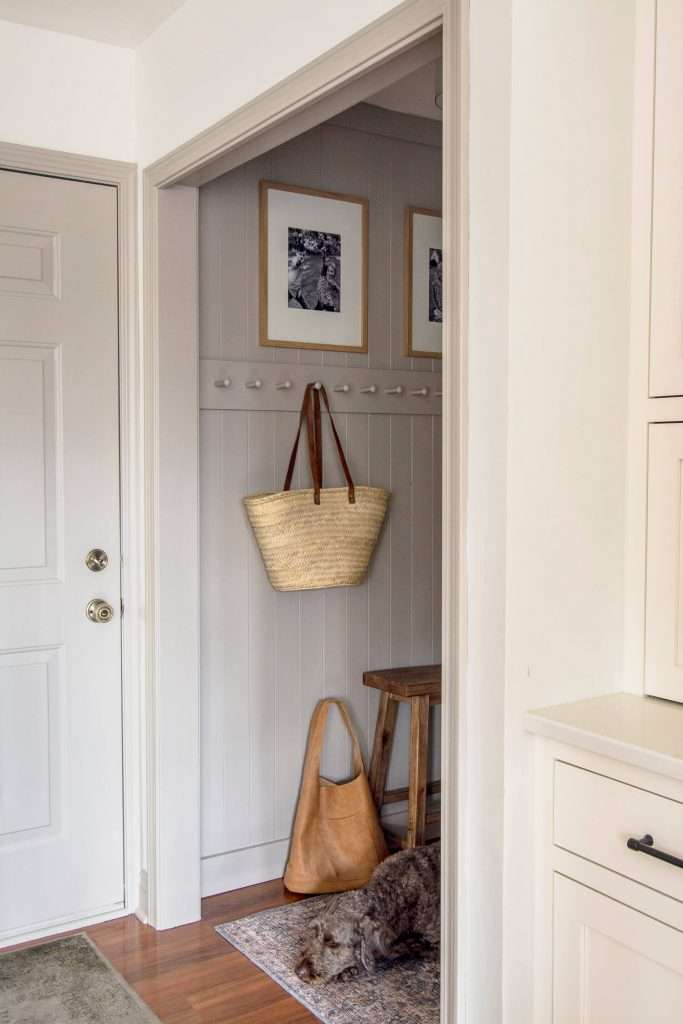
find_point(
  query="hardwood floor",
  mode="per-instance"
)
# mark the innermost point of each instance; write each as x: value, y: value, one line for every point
x: 190, y: 975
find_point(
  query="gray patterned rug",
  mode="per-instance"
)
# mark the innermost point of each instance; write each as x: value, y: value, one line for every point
x: 67, y: 981
x: 404, y: 992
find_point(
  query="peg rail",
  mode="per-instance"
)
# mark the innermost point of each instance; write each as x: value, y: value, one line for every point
x: 279, y: 387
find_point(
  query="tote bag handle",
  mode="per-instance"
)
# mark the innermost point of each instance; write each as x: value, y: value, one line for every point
x: 316, y: 738
x: 310, y: 414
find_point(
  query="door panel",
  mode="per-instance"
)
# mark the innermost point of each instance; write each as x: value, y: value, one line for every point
x: 612, y: 964
x: 61, y: 814
x: 28, y: 470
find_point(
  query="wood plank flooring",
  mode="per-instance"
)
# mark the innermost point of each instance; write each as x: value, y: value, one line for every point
x: 190, y: 975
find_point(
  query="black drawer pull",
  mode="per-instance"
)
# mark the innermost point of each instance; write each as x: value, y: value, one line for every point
x: 647, y: 845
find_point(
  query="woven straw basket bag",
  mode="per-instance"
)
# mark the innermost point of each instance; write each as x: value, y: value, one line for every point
x: 318, y: 537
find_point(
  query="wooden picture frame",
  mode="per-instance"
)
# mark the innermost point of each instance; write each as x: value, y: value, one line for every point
x: 288, y: 319
x: 419, y: 343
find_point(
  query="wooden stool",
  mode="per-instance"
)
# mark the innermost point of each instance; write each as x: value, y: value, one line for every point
x: 420, y: 687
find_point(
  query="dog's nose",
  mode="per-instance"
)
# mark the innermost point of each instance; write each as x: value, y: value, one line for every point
x: 304, y: 969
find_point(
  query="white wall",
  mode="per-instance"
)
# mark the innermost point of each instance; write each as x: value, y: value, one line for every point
x: 570, y: 171
x: 489, y: 167
x: 211, y: 57
x: 63, y: 92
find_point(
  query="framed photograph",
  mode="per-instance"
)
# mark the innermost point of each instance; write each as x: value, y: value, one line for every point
x: 423, y: 283
x: 314, y: 269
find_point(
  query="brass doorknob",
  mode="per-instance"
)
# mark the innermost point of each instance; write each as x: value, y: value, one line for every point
x: 99, y: 611
x: 97, y: 560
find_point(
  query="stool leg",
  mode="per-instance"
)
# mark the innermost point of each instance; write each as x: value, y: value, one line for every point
x: 381, y: 748
x: 417, y: 787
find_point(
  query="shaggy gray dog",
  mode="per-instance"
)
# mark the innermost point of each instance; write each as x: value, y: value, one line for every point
x: 395, y: 914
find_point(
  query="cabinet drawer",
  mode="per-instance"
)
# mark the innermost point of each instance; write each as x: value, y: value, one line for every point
x: 596, y: 815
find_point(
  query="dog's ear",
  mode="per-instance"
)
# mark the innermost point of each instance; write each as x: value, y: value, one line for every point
x: 372, y: 944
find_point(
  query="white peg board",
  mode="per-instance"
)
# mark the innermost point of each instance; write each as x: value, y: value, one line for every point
x: 269, y: 398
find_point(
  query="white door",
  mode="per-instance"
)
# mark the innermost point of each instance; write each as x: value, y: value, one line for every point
x: 61, y: 815
x: 612, y: 964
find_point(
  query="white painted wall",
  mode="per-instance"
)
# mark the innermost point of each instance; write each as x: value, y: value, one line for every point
x: 63, y: 92
x: 482, y: 730
x: 572, y: 82
x: 211, y: 57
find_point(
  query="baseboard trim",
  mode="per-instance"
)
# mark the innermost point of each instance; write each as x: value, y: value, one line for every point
x: 62, y: 924
x: 240, y: 868
x: 253, y: 864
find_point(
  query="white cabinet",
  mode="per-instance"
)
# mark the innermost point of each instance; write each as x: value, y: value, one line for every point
x: 612, y: 964
x: 664, y: 593
x: 608, y: 916
x: 666, y: 340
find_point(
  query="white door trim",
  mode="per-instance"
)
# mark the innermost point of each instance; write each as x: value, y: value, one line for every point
x: 172, y: 702
x: 123, y: 177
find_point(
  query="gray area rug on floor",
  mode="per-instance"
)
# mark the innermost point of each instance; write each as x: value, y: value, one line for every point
x: 406, y: 991
x: 66, y: 982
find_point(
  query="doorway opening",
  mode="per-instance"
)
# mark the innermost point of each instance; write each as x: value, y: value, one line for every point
x: 267, y: 657
x: 179, y: 376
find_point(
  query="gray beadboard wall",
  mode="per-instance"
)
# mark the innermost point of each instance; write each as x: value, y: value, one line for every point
x: 266, y: 658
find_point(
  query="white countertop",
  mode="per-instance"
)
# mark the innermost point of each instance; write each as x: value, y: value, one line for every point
x: 643, y: 731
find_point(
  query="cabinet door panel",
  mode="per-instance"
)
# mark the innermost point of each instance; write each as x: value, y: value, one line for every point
x: 664, y: 593
x: 666, y: 350
x: 612, y: 964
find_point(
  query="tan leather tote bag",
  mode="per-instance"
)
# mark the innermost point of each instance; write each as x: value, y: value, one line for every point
x: 337, y: 841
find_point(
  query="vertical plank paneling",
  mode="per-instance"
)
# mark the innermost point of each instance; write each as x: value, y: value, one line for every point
x: 225, y: 546
x: 248, y: 298
x: 213, y: 781
x: 358, y: 612
x: 402, y: 154
x: 267, y: 658
x: 384, y: 255
x: 379, y: 582
x: 211, y: 210
x: 438, y: 526
x: 336, y: 754
x: 401, y: 566
x: 435, y: 724
x: 422, y: 522
x: 262, y: 693
x: 235, y: 270
x: 287, y: 680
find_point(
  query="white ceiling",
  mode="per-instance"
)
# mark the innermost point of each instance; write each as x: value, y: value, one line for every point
x: 120, y: 22
x: 411, y: 95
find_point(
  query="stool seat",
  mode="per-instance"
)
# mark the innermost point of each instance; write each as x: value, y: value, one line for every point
x: 417, y: 681
x: 420, y: 687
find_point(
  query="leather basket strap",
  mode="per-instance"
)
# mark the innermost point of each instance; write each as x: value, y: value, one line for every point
x: 310, y: 415
x: 307, y: 416
x: 340, y: 450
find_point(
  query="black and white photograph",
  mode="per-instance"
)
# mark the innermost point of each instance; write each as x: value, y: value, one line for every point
x: 423, y: 283
x: 435, y: 286
x: 314, y: 270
